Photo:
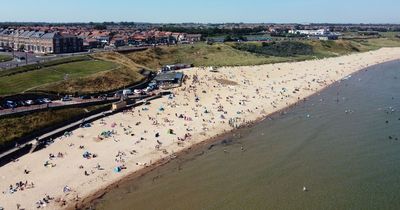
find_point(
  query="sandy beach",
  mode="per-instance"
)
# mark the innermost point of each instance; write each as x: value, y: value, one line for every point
x: 89, y: 159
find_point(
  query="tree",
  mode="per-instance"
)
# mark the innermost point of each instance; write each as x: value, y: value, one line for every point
x: 100, y: 27
x: 21, y: 47
x: 228, y: 39
x: 242, y: 38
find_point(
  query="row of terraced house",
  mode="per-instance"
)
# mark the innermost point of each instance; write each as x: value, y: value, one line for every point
x: 40, y: 41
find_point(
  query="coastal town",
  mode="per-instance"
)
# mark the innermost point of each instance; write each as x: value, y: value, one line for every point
x: 59, y: 40
x: 141, y: 136
x: 175, y: 107
x: 205, y: 106
x: 47, y: 39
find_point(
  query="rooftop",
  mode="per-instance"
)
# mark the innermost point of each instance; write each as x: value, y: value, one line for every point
x: 169, y: 77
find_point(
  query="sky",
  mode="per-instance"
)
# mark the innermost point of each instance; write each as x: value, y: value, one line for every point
x: 202, y: 11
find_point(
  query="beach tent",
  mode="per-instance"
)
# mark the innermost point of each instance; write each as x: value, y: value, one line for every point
x: 117, y: 169
x: 86, y: 154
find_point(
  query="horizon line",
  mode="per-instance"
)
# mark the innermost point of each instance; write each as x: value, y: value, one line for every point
x: 216, y: 23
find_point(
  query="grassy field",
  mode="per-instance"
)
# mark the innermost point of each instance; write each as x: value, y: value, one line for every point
x: 4, y: 58
x: 125, y: 75
x: 202, y: 54
x: 334, y: 48
x: 25, y: 81
x: 225, y: 54
x: 279, y: 49
x: 96, y: 83
x: 390, y: 35
x: 34, y: 67
x: 374, y: 44
x: 17, y: 127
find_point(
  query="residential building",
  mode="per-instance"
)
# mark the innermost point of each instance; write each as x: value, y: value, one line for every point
x: 40, y: 41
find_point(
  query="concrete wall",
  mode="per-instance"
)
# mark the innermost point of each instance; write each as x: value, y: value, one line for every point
x: 50, y: 128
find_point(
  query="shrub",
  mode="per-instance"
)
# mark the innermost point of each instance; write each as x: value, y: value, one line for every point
x: 280, y: 49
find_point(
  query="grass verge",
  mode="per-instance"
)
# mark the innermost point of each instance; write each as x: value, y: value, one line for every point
x: 5, y: 58
x: 201, y: 54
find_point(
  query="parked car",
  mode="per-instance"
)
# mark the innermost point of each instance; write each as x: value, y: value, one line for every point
x: 10, y: 104
x: 153, y: 83
x: 21, y: 103
x: 127, y: 92
x: 46, y: 100
x: 118, y: 94
x: 103, y: 97
x: 29, y: 102
x: 39, y: 101
x: 148, y: 89
x: 66, y: 98
x: 85, y: 97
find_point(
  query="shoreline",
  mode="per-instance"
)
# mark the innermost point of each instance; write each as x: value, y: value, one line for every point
x: 87, y: 201
x: 248, y: 94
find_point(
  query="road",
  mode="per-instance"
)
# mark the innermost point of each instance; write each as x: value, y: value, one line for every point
x: 53, y: 104
x: 74, y: 101
x: 37, y: 58
x: 32, y: 58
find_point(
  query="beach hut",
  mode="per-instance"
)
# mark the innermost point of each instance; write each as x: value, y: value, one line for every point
x: 118, y: 105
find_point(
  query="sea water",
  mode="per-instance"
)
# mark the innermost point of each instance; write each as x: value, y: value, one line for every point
x: 342, y: 145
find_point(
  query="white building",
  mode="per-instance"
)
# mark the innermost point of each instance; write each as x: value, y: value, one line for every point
x: 319, y: 32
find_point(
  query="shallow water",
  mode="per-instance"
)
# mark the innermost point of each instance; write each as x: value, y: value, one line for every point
x: 346, y: 160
